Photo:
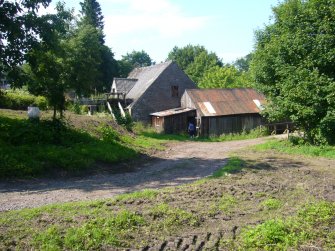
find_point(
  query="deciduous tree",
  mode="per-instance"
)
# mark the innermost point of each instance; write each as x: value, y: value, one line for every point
x: 293, y: 66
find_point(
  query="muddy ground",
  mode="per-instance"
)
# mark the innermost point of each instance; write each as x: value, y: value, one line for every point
x: 288, y: 179
x: 181, y: 162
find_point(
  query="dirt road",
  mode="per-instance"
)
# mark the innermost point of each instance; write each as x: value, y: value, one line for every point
x: 182, y: 162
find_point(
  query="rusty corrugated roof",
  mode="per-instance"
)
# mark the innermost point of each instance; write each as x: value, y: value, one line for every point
x: 171, y: 112
x: 220, y: 102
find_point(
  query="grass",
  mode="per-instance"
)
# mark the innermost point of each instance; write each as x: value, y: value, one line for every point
x: 137, y: 219
x: 310, y: 224
x: 234, y: 165
x: 285, y: 146
x: 143, y: 194
x: 271, y: 204
x: 30, y: 148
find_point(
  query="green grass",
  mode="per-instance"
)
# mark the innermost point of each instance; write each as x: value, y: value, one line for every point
x: 30, y: 148
x: 171, y: 217
x: 285, y: 146
x: 143, y: 194
x: 311, y: 224
x: 93, y: 234
x: 271, y: 204
x: 234, y: 165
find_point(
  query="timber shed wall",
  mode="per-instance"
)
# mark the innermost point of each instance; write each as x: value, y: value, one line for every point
x: 215, y: 126
x: 176, y: 123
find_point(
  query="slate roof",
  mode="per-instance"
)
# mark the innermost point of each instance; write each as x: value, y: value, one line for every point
x: 124, y: 85
x: 145, y: 77
x: 222, y: 102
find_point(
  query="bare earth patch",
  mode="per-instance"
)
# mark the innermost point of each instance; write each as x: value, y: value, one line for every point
x: 181, y: 163
x: 206, y: 215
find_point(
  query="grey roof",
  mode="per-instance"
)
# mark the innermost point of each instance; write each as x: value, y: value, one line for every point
x: 146, y: 76
x: 124, y: 85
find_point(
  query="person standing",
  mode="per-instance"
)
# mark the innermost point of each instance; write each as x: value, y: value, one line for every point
x: 191, y: 130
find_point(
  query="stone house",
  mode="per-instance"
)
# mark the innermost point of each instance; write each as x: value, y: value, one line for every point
x: 151, y: 89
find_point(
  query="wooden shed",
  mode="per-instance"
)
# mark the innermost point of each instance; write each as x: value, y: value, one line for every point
x: 223, y: 111
x: 173, y: 120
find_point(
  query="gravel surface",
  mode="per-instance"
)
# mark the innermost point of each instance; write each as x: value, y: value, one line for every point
x: 182, y: 162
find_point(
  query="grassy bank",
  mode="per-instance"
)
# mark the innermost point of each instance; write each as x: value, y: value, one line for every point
x: 31, y: 148
x: 289, y: 147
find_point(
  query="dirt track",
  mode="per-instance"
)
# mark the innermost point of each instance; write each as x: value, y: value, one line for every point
x: 182, y: 162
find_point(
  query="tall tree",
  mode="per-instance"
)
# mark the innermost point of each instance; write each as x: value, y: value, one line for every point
x: 47, y: 71
x: 138, y: 59
x: 133, y: 60
x: 243, y: 64
x: 293, y: 65
x: 224, y: 77
x: 194, y: 60
x: 185, y: 56
x: 19, y: 30
x: 91, y: 14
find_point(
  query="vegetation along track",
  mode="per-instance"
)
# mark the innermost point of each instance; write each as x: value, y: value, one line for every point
x: 182, y: 162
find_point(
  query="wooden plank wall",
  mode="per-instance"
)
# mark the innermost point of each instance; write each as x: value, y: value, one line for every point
x: 215, y: 126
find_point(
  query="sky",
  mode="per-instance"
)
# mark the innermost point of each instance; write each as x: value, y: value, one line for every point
x: 225, y: 27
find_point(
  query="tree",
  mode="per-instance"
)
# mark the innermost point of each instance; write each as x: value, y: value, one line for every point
x: 47, y: 72
x: 194, y: 60
x: 202, y: 63
x: 224, y: 77
x: 186, y: 55
x: 133, y: 60
x: 138, y: 59
x: 243, y: 64
x: 83, y: 59
x: 293, y: 65
x: 19, y: 30
x: 92, y: 15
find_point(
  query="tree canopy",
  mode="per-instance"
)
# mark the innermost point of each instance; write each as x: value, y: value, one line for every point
x: 19, y: 29
x: 293, y: 65
x: 133, y: 60
x: 195, y: 60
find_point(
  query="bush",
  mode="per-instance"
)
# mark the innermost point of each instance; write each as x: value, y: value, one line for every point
x: 20, y: 100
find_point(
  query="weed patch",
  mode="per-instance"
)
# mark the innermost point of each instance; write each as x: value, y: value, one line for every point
x: 234, y: 165
x: 311, y: 224
x: 271, y: 204
x: 170, y: 217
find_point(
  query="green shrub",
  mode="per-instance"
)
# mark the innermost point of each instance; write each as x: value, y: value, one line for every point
x: 20, y: 100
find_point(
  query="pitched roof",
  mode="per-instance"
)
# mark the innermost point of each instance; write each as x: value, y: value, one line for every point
x: 220, y: 102
x: 124, y: 84
x: 145, y: 77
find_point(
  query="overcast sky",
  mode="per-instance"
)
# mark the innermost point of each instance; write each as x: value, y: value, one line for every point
x: 225, y: 27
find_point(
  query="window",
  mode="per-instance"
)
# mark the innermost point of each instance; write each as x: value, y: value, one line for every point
x: 174, y: 90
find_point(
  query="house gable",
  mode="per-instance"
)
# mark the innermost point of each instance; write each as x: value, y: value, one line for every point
x: 163, y: 91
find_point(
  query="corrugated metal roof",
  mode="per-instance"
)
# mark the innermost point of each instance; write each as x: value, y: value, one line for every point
x: 146, y: 76
x: 226, y: 101
x: 171, y: 112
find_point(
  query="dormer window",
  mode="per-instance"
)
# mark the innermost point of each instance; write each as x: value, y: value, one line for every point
x: 174, y: 91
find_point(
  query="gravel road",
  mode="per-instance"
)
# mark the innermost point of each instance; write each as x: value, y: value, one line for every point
x: 182, y: 162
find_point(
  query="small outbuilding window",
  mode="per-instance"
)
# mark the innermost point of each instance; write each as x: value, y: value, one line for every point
x: 174, y: 91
